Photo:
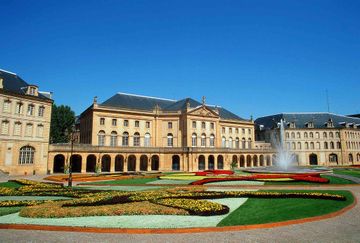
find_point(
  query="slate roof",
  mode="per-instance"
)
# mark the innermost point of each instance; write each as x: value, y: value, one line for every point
x: 319, y: 120
x: 146, y: 103
x: 14, y: 84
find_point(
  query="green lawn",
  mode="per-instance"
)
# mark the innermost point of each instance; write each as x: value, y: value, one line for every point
x: 350, y: 172
x: 10, y: 184
x: 332, y: 180
x: 260, y: 211
x: 135, y: 181
x: 9, y: 210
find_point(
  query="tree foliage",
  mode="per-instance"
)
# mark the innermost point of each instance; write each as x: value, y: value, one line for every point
x: 62, y: 119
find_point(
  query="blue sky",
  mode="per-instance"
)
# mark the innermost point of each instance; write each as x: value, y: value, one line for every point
x: 252, y: 57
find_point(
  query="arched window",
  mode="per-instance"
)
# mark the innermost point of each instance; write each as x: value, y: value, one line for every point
x: 305, y: 135
x: 147, y: 142
x: 230, y: 142
x: 299, y: 145
x: 311, y: 145
x: 351, y: 158
x: 317, y: 145
x: 203, y: 140
x: 311, y: 134
x: 287, y: 135
x: 333, y: 158
x: 101, y: 138
x: 113, y: 139
x: 298, y: 135
x: 317, y: 135
x: 292, y: 135
x: 293, y: 146
x: 337, y: 134
x: 26, y: 155
x: 306, y: 145
x: 332, y: 145
x: 136, y: 139
x: 212, y: 140
x: 326, y: 145
x: 125, y: 139
x: 194, y: 140
x: 324, y: 134
x: 338, y: 145
x: 223, y: 142
x: 331, y: 135
x: 170, y: 140
x: 237, y: 143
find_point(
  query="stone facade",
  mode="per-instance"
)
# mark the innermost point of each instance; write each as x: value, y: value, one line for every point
x: 25, y: 115
x: 323, y: 139
x: 193, y: 136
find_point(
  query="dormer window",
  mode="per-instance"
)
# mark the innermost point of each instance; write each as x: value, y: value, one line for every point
x: 32, y: 90
x: 292, y: 125
x: 310, y: 125
x: 330, y: 123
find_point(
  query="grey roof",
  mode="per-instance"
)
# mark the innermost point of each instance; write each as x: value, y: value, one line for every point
x: 14, y: 84
x: 145, y: 103
x: 319, y: 120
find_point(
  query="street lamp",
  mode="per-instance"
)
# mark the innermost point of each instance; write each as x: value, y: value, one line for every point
x: 72, y: 139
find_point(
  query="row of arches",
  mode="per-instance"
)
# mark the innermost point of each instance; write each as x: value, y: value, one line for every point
x: 105, y: 163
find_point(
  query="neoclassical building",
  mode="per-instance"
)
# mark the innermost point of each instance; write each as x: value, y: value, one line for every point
x: 139, y: 133
x: 25, y: 115
x: 315, y: 138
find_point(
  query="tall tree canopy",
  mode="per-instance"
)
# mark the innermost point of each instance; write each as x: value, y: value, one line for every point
x: 62, y: 119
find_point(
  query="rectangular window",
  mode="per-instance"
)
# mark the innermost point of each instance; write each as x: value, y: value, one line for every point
x: 230, y: 130
x: 243, y: 131
x: 102, y: 121
x: 249, y: 131
x: 223, y: 129
x: 147, y: 124
x: 6, y: 106
x: 19, y: 108
x: 212, y: 126
x: 169, y: 125
x: 5, y: 127
x: 29, y: 130
x: 40, y: 131
x: 17, y: 129
x: 237, y: 130
x: 126, y: 123
x: 137, y: 124
x: 113, y: 122
x: 41, y: 111
x: 203, y: 125
x: 194, y: 124
x: 30, y: 110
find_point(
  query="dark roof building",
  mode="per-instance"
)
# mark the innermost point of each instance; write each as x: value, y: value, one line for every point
x: 307, y: 120
x: 13, y: 84
x: 147, y: 103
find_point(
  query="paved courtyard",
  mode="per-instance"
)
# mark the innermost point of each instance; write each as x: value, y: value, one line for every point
x: 343, y: 228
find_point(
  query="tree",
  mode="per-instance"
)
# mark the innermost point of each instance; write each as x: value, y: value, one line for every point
x: 62, y: 119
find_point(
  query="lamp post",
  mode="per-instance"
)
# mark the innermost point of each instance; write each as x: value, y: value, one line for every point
x: 72, y: 139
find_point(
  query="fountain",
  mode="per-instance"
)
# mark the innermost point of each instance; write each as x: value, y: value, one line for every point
x: 285, y: 159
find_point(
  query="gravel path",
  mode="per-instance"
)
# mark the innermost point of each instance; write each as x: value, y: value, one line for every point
x: 344, y: 228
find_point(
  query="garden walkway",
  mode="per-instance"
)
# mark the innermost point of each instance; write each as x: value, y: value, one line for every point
x: 343, y: 228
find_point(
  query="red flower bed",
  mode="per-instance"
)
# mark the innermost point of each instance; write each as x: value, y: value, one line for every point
x: 297, y: 177
x: 214, y: 172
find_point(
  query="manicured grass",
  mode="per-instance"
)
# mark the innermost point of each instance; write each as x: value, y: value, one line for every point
x: 350, y: 172
x: 9, y: 210
x: 136, y: 181
x: 332, y: 180
x: 260, y: 211
x: 10, y: 184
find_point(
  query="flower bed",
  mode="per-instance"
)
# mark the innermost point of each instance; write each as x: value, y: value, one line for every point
x: 264, y: 177
x: 214, y: 172
x: 190, y: 200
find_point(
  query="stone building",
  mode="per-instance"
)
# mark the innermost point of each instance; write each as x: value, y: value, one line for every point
x: 315, y: 138
x: 139, y: 133
x: 25, y: 115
